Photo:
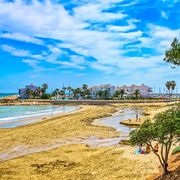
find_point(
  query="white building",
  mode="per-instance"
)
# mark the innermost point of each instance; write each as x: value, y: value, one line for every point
x: 145, y: 91
x: 106, y: 87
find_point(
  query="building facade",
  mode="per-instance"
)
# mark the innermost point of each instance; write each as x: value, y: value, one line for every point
x: 106, y: 87
x: 23, y: 92
x: 145, y: 91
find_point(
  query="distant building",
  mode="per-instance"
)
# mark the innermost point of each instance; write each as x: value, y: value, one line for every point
x: 23, y: 92
x: 145, y: 91
x: 106, y: 87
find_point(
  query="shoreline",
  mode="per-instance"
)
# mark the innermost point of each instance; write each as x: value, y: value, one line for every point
x: 49, y: 126
x: 67, y: 128
x: 38, y: 118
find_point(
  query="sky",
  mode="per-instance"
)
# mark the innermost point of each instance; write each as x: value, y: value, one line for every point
x: 73, y: 42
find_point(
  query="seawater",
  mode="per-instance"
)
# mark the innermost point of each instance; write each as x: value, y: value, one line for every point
x: 7, y: 94
x: 13, y: 114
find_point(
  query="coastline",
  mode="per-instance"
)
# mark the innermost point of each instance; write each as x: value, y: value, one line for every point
x: 40, y: 118
x: 50, y: 153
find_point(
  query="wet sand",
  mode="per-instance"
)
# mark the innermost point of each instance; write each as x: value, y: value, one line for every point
x: 86, y: 150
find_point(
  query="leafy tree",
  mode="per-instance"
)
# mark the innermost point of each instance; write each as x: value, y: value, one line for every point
x: 44, y: 88
x: 84, y: 87
x: 173, y: 54
x: 106, y: 94
x: 165, y: 131
x: 170, y: 85
x: 173, y: 85
x: 76, y: 93
x: 122, y: 92
x: 46, y: 96
x: 62, y: 94
x: 55, y: 93
x: 100, y: 94
x: 88, y: 93
x: 117, y: 94
x: 69, y: 91
x: 137, y: 93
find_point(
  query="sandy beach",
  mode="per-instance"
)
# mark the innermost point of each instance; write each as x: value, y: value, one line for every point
x: 45, y: 149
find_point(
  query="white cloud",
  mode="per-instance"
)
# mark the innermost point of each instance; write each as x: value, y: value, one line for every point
x: 22, y: 37
x: 77, y: 33
x: 164, y: 15
x: 20, y: 52
x: 94, y: 12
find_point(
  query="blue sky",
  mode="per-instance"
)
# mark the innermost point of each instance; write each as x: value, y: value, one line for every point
x: 87, y: 41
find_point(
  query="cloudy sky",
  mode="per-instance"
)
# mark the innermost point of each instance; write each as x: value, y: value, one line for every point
x: 87, y: 41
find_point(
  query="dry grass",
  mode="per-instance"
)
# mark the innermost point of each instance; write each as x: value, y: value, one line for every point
x: 47, y: 132
x: 149, y: 112
x: 77, y: 162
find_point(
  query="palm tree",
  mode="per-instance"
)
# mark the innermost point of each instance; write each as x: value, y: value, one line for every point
x: 84, y: 87
x: 117, y: 94
x: 173, y: 85
x: 69, y: 91
x: 38, y: 92
x: 122, y: 92
x: 106, y: 94
x: 62, y: 94
x: 44, y: 88
x: 137, y: 93
x: 168, y: 86
x: 88, y: 93
x: 76, y: 93
x: 55, y: 93
x: 100, y: 94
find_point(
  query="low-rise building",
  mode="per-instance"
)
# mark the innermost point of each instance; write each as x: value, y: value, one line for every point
x: 24, y: 93
x: 145, y: 91
x: 106, y: 87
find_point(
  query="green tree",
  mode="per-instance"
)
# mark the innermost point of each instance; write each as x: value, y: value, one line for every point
x: 173, y: 54
x: 122, y: 92
x: 56, y: 93
x: 106, y: 94
x: 62, y: 94
x: 117, y: 94
x: 168, y: 86
x: 173, y: 85
x: 100, y: 94
x: 165, y: 131
x: 44, y: 88
x: 69, y: 89
x: 77, y: 93
x: 137, y: 93
x: 88, y: 93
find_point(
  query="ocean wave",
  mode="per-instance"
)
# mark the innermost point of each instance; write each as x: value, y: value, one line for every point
x: 33, y: 113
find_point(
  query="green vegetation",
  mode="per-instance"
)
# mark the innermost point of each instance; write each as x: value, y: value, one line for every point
x: 165, y: 131
x: 173, y: 54
x: 176, y: 150
x: 46, y: 96
x: 170, y: 85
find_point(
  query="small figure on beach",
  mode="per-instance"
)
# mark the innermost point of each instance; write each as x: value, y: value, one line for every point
x: 156, y: 147
x: 137, y: 116
x: 148, y: 149
x: 139, y: 150
x: 129, y: 120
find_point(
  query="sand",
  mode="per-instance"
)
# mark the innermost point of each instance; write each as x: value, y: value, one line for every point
x: 70, y: 161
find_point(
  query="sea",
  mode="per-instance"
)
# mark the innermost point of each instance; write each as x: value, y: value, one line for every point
x: 12, y: 116
x: 7, y: 94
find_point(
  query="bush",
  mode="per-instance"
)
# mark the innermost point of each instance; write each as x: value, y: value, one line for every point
x: 46, y: 96
x: 176, y: 150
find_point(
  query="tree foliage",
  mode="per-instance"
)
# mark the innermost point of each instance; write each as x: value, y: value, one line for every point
x: 173, y: 54
x: 165, y: 131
